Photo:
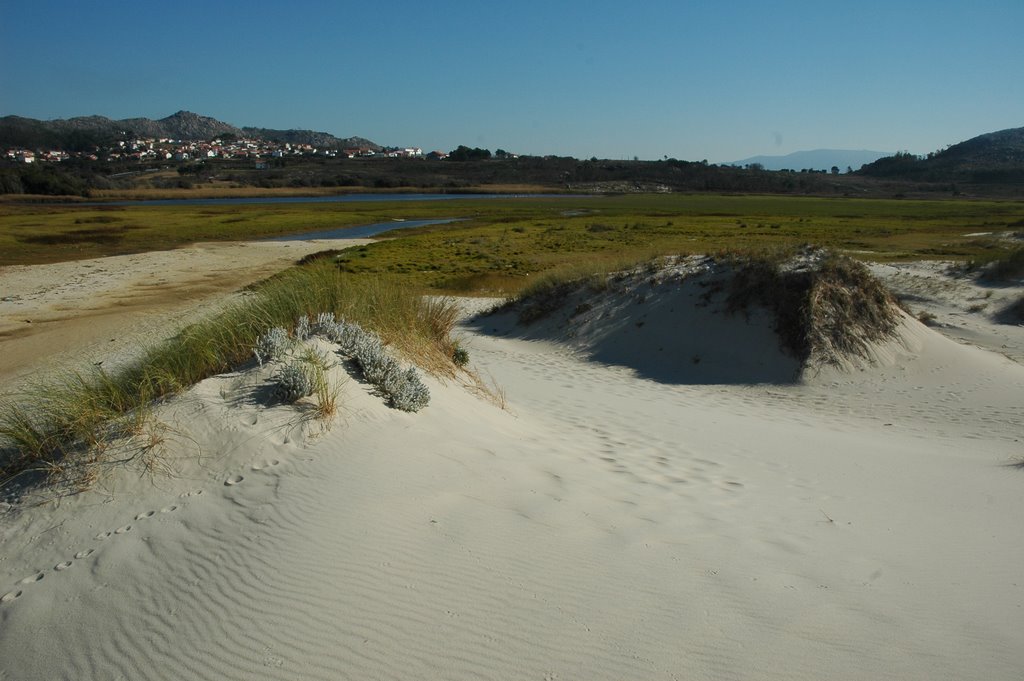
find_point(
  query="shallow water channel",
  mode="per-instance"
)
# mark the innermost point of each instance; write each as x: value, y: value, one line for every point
x: 362, y: 231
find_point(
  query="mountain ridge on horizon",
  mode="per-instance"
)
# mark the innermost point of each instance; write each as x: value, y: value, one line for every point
x: 815, y: 159
x: 184, y: 125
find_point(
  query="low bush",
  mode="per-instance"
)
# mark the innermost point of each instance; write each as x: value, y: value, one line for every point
x: 292, y: 382
x: 403, y: 387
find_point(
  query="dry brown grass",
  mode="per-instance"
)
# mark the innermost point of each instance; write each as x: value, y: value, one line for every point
x: 827, y: 307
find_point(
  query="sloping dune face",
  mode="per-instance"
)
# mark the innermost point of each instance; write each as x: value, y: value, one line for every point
x: 698, y: 320
x: 618, y: 520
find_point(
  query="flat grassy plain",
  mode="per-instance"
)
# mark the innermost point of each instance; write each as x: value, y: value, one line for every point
x: 498, y: 253
x: 500, y: 243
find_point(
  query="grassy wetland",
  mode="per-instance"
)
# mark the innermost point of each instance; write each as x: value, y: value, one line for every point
x: 500, y: 241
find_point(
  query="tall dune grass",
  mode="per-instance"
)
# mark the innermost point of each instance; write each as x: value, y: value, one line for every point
x: 64, y: 422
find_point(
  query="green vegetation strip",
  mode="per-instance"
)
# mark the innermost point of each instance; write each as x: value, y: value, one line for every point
x: 500, y: 253
x: 502, y: 241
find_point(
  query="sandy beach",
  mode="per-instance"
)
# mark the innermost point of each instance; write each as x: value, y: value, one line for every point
x: 652, y: 498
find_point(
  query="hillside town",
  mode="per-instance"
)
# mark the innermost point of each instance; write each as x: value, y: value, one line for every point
x: 228, y: 147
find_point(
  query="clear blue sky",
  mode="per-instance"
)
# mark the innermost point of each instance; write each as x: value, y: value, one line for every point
x: 717, y: 80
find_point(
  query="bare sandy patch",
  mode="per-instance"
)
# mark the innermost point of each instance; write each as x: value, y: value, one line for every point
x: 72, y: 314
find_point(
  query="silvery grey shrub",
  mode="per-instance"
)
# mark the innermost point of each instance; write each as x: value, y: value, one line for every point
x: 292, y: 382
x: 324, y: 323
x: 303, y: 328
x: 407, y: 391
x: 404, y: 387
x: 273, y: 344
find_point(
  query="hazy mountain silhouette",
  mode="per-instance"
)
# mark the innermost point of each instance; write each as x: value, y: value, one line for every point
x: 818, y: 159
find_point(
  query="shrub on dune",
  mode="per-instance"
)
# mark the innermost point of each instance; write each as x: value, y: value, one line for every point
x: 63, y: 423
x: 826, y: 306
x: 403, y: 386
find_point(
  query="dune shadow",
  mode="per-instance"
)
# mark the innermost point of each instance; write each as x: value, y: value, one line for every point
x: 1012, y: 314
x: 675, y: 336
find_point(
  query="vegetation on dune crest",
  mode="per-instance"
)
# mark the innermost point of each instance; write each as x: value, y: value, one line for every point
x: 826, y: 306
x: 61, y: 428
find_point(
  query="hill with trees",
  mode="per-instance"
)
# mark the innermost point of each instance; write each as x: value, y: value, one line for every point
x: 992, y: 158
x: 86, y: 132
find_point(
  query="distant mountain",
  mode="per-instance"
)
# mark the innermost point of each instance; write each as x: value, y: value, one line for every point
x: 993, y: 157
x: 818, y: 159
x: 82, y: 132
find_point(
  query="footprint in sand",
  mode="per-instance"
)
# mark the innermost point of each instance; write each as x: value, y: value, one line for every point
x: 234, y: 480
x: 62, y: 566
x: 169, y: 509
x: 265, y: 465
x: 10, y: 596
x: 145, y: 514
x: 123, y: 529
x: 102, y: 535
x: 84, y: 554
x: 193, y: 493
x: 31, y: 579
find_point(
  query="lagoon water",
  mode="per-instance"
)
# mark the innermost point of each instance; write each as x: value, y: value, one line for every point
x: 357, y: 232
x: 361, y: 231
x: 340, y: 198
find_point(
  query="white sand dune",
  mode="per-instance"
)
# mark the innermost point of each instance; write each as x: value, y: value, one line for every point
x: 610, y: 524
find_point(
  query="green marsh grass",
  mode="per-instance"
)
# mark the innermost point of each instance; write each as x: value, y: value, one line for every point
x: 501, y: 240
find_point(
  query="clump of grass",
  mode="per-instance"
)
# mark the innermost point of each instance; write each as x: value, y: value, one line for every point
x: 460, y: 356
x: 59, y: 425
x: 826, y: 306
x: 540, y: 300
